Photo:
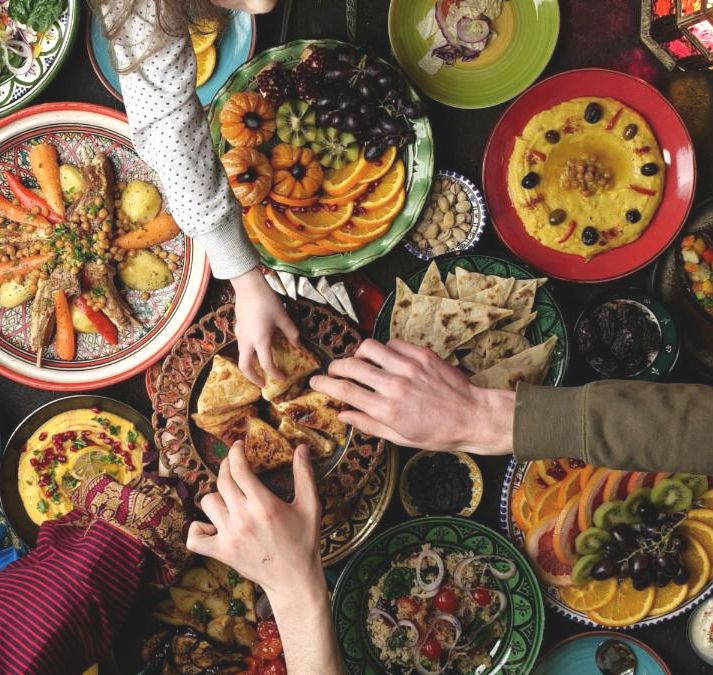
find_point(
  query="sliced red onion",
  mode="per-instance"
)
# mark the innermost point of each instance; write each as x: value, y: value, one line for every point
x: 23, y: 50
x: 427, y: 595
x: 449, y: 618
x: 453, y: 621
x: 503, y: 603
x: 441, y: 570
x: 472, y: 30
x: 407, y: 623
x: 502, y: 576
x: 262, y: 608
x: 383, y: 615
x: 458, y: 572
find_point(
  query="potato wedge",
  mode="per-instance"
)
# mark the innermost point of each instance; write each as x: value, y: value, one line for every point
x: 217, y: 603
x: 72, y: 182
x: 166, y: 611
x: 145, y: 272
x: 245, y: 591
x: 221, y: 629
x: 199, y: 579
x: 15, y: 293
x: 244, y: 632
x: 184, y: 599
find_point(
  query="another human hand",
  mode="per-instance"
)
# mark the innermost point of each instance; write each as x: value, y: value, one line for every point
x: 258, y: 313
x: 410, y: 396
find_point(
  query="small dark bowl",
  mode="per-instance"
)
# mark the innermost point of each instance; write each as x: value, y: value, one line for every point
x: 693, y: 302
x: 10, y: 498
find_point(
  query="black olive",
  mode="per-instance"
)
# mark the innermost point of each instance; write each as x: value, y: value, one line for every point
x: 530, y: 180
x: 590, y: 236
x: 633, y: 215
x: 557, y: 216
x: 650, y: 169
x: 630, y: 130
x: 593, y: 113
x: 552, y: 136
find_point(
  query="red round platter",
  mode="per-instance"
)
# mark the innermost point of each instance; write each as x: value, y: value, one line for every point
x: 679, y: 188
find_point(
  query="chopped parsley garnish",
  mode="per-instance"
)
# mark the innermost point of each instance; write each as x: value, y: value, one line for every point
x: 61, y: 229
x: 42, y: 506
x: 102, y: 420
x: 200, y: 612
x: 69, y: 482
x: 114, y: 429
x: 98, y: 292
x: 220, y: 450
x: 56, y: 498
x: 79, y: 443
x: 236, y: 608
x: 397, y: 639
x: 399, y: 582
x: 131, y: 436
x: 233, y: 578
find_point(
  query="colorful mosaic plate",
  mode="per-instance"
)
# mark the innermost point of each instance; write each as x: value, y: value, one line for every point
x: 75, y: 128
x: 515, y: 653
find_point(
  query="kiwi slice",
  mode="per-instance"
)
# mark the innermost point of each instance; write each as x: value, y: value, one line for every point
x: 634, y: 501
x: 582, y: 568
x: 672, y: 495
x: 296, y: 123
x: 610, y: 513
x: 697, y: 482
x: 335, y: 148
x: 591, y: 540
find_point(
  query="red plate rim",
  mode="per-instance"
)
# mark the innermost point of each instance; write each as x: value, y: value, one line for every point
x: 83, y: 386
x: 676, y: 146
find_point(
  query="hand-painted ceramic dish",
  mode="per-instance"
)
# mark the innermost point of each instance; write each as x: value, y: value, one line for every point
x: 527, y: 33
x: 550, y: 320
x: 11, y: 501
x: 513, y: 479
x: 235, y: 46
x: 72, y: 128
x: 478, y: 217
x: 679, y: 187
x: 56, y: 44
x: 516, y: 652
x: 577, y: 655
x: 417, y: 157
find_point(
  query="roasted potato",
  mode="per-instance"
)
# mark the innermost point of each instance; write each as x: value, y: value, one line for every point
x: 14, y: 293
x: 244, y: 632
x: 166, y: 611
x: 221, y: 629
x: 140, y: 201
x: 199, y: 579
x: 81, y: 321
x: 245, y: 591
x: 220, y: 572
x: 185, y: 599
x: 145, y: 272
x: 217, y: 603
x: 72, y: 182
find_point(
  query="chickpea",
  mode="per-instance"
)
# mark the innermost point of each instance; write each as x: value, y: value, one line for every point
x: 172, y: 266
x: 145, y: 295
x: 173, y: 257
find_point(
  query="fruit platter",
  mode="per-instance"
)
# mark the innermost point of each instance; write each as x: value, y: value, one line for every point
x: 622, y: 549
x: 329, y: 152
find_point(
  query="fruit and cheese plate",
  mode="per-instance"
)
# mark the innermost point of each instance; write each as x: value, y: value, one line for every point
x: 329, y: 152
x: 621, y: 549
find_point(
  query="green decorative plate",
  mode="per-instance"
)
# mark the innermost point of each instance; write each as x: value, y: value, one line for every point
x: 527, y: 33
x: 525, y: 621
x: 549, y: 321
x: 417, y: 157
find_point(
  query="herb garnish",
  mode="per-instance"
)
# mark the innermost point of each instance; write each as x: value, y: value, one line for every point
x: 236, y: 607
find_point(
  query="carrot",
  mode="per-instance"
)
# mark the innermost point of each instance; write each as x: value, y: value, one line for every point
x: 162, y: 228
x: 23, y: 266
x: 19, y: 215
x: 45, y: 165
x: 64, y: 336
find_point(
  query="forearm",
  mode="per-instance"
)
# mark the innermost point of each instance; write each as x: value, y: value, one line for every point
x: 306, y: 629
x: 640, y: 426
x: 490, y: 428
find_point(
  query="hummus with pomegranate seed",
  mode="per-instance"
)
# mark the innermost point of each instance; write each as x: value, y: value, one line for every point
x: 70, y: 447
x: 586, y: 176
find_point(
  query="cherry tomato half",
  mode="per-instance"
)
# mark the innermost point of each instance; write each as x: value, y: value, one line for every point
x: 408, y: 606
x: 268, y: 649
x: 431, y: 649
x: 267, y: 629
x: 275, y: 667
x: 481, y: 596
x: 446, y: 600
x: 253, y: 665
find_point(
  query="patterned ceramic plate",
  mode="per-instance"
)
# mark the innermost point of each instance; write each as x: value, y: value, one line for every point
x: 513, y: 479
x: 517, y: 651
x: 56, y: 43
x: 234, y: 46
x: 418, y: 158
x: 549, y: 321
x: 72, y: 128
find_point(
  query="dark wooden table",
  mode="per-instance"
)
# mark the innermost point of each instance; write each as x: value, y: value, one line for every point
x: 602, y: 33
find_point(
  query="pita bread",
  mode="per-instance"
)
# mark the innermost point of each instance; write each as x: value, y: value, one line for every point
x: 432, y: 284
x: 519, y: 325
x: 403, y: 299
x: 528, y: 366
x: 265, y: 447
x: 226, y: 388
x: 295, y: 363
x: 452, y: 286
x: 522, y: 297
x: 228, y: 426
x: 443, y: 324
x: 319, y: 446
x: 316, y: 411
x: 483, y: 289
x: 491, y: 347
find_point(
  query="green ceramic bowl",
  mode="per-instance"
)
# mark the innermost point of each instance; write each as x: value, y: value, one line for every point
x: 417, y: 157
x: 527, y: 34
x: 524, y: 621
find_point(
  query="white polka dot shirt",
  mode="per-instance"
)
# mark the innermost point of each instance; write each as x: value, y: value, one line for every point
x: 170, y: 133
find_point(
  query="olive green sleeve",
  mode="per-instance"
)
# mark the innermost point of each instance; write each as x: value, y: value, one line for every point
x: 638, y: 426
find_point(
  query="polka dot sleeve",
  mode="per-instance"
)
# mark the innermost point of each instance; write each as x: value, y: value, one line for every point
x: 170, y: 132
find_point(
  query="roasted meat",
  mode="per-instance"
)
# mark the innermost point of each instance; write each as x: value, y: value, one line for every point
x: 97, y: 200
x: 42, y: 313
x: 101, y: 279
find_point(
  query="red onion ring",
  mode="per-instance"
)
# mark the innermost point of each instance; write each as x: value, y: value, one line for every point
x: 441, y: 570
x: 383, y: 615
x: 21, y: 49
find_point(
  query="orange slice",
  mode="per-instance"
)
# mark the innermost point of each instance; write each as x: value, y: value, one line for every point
x: 586, y: 474
x: 668, y: 598
x: 248, y: 225
x: 321, y: 219
x: 707, y: 499
x: 591, y: 498
x: 697, y: 563
x: 702, y: 515
x: 521, y: 511
x: 538, y: 544
x: 565, y: 531
x: 546, y: 468
x: 532, y: 484
x: 315, y: 248
x: 336, y: 246
x: 702, y: 533
x: 639, y: 479
x: 626, y: 607
x: 205, y: 64
x: 375, y: 170
x: 384, y: 214
x: 264, y: 227
x: 385, y: 190
x: 288, y: 201
x: 362, y: 235
x: 660, y: 476
x: 589, y: 596
x: 546, y: 505
x: 350, y: 196
x: 296, y: 235
x: 569, y: 487
x: 615, y: 482
x: 340, y: 181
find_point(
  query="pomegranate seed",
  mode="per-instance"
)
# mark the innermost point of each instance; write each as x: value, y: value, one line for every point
x: 300, y: 228
x: 95, y: 409
x: 540, y: 483
x: 333, y: 207
x: 268, y: 223
x: 556, y: 471
x: 62, y: 459
x: 43, y: 436
x: 44, y: 479
x: 316, y: 208
x: 131, y: 446
x: 575, y: 463
x: 34, y: 463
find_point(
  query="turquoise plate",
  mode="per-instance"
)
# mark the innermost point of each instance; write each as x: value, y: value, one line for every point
x: 524, y: 623
x: 234, y: 46
x: 576, y: 655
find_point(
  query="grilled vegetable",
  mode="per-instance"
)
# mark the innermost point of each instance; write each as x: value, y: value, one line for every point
x: 98, y: 320
x: 140, y: 201
x: 160, y: 229
x: 30, y: 200
x: 45, y: 166
x: 64, y: 338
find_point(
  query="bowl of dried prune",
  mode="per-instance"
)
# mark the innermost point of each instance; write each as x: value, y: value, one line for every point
x: 627, y: 335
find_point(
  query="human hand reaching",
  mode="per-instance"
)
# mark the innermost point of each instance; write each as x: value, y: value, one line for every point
x: 410, y: 396
x: 258, y: 313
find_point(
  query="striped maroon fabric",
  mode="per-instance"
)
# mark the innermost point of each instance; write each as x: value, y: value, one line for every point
x: 61, y: 606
